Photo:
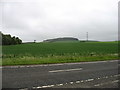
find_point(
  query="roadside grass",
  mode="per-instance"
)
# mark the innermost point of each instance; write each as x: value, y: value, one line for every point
x: 55, y: 59
x: 58, y: 52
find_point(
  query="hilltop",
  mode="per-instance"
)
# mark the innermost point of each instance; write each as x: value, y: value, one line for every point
x: 61, y: 39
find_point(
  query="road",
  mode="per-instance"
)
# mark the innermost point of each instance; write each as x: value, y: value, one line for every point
x: 101, y: 74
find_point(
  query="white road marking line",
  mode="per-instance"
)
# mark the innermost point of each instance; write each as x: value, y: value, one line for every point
x: 81, y: 81
x: 98, y: 78
x: 106, y: 83
x: 33, y: 87
x: 57, y: 64
x: 90, y: 80
x: 109, y: 76
x: 66, y: 70
x: 97, y: 85
x: 29, y: 66
x: 44, y: 86
x: 38, y: 87
x: 77, y: 81
x: 11, y: 67
x: 54, y: 64
x: 116, y: 75
x: 115, y: 81
x: 71, y: 82
x: 51, y: 85
x: 59, y: 84
x: 91, y: 62
x: 48, y: 86
x: 112, y: 61
x: 24, y: 89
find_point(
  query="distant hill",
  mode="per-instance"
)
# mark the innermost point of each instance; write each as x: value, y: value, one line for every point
x: 61, y: 39
x: 89, y: 41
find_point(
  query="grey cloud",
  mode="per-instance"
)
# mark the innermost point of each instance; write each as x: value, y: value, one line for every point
x: 42, y: 19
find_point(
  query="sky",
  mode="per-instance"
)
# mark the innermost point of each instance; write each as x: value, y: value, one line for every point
x: 45, y: 19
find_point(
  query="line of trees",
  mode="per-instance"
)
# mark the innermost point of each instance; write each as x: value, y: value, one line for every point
x: 7, y: 39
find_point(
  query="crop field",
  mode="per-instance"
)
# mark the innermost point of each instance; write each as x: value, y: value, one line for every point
x: 55, y: 52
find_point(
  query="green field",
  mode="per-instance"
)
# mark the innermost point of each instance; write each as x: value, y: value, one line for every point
x: 58, y: 52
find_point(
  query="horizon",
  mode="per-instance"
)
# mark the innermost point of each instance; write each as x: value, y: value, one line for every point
x: 61, y: 37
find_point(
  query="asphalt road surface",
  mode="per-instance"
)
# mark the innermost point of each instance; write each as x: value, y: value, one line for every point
x: 101, y: 74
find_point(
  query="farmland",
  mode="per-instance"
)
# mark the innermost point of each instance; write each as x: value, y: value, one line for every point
x: 58, y: 52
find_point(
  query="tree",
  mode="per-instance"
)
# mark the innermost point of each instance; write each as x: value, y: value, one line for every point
x: 13, y: 40
x: 8, y: 40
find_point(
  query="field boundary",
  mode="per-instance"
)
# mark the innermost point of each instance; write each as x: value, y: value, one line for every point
x: 40, y: 65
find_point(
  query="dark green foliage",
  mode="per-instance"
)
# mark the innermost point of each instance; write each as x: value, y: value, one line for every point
x: 8, y: 40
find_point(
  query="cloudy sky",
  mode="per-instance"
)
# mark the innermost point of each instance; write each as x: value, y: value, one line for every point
x: 44, y: 19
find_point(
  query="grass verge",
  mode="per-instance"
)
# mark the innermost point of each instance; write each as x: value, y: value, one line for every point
x: 27, y: 60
